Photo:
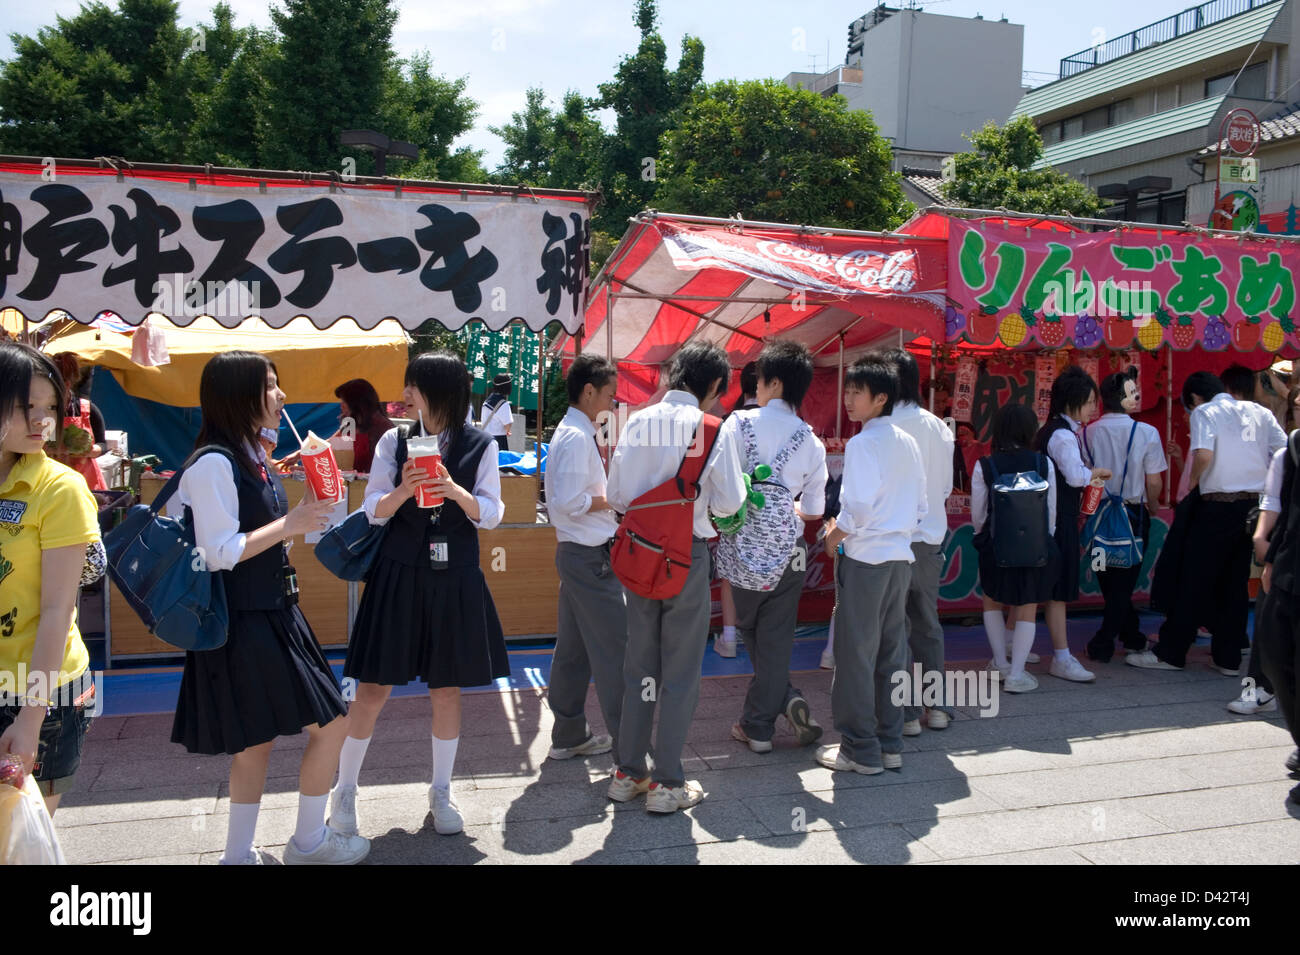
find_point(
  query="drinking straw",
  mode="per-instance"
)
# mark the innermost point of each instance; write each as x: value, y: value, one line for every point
x: 285, y: 412
x: 420, y: 412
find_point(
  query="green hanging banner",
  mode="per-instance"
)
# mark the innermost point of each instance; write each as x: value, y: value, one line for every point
x: 512, y: 350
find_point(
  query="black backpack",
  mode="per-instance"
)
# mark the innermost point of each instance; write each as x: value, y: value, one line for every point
x: 1017, y: 515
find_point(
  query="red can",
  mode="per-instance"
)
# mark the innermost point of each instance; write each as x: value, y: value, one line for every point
x: 1091, y: 497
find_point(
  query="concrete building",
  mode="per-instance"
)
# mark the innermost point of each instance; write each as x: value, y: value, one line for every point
x: 1131, y: 117
x: 928, y: 80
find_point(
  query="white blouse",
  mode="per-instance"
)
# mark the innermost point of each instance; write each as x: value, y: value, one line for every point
x: 208, y: 487
x: 486, y: 489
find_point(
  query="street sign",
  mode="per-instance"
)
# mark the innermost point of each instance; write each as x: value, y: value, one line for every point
x: 1243, y: 132
x: 1244, y: 169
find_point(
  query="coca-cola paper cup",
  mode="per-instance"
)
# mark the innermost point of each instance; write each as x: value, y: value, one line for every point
x: 321, y: 469
x: 426, y: 455
x: 1091, y: 498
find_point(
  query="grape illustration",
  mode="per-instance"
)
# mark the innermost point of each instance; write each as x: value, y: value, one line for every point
x: 1216, y: 333
x: 954, y: 321
x: 1087, y: 331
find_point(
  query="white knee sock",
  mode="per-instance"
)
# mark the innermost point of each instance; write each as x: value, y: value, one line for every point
x: 350, y: 759
x: 240, y: 832
x: 996, y: 629
x: 310, y: 832
x: 728, y: 634
x: 444, y: 758
x: 1022, y: 640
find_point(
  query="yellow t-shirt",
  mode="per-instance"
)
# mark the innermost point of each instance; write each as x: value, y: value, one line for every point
x: 43, y: 505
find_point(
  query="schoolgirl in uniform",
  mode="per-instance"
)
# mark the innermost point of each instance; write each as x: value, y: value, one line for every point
x: 1073, y: 404
x: 426, y: 613
x: 1020, y: 588
x: 270, y: 678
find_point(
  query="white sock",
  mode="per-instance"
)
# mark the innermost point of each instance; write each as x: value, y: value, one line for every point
x: 240, y: 832
x: 1062, y: 655
x: 310, y: 832
x: 350, y: 759
x: 1021, y: 641
x: 444, y: 758
x: 996, y: 629
x: 728, y: 634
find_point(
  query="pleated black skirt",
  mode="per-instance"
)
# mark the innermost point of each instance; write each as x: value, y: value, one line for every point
x: 1015, y: 586
x: 416, y: 623
x: 270, y: 679
x: 1066, y: 586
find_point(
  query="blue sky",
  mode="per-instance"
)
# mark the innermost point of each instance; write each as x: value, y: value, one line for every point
x: 506, y: 46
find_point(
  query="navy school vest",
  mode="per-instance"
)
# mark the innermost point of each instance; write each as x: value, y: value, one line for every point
x: 411, y: 529
x: 258, y: 583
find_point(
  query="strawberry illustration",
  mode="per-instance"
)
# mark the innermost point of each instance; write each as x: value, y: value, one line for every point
x: 1245, y: 334
x: 1184, y: 333
x: 1119, y: 332
x: 983, y: 326
x: 1051, y: 331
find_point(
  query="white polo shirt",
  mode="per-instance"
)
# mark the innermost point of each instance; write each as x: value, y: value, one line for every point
x: 574, y: 475
x: 883, y: 496
x: 935, y: 441
x: 495, y: 421
x: 774, y: 425
x: 1243, y: 437
x: 1106, y: 440
x: 651, y: 448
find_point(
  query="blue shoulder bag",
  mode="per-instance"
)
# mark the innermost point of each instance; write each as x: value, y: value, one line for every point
x: 154, y: 562
x: 348, y: 549
x: 1110, y: 528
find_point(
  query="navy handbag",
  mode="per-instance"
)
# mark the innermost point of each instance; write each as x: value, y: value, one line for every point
x: 162, y: 574
x: 1110, y: 528
x: 348, y: 549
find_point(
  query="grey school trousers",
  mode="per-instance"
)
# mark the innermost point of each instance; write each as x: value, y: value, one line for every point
x: 765, y: 620
x: 924, y: 631
x: 870, y: 647
x: 590, y: 639
x: 665, y: 649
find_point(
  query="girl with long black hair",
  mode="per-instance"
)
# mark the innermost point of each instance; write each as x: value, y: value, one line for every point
x: 270, y: 678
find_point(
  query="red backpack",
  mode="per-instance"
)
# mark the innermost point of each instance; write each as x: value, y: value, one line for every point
x: 652, y: 549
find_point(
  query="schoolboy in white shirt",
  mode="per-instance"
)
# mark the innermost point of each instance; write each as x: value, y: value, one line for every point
x: 591, y: 632
x: 882, y: 501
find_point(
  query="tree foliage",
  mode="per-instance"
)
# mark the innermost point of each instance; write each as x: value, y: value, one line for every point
x: 768, y: 152
x: 998, y: 174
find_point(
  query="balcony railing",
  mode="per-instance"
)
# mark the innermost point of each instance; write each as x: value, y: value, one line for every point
x: 1170, y: 28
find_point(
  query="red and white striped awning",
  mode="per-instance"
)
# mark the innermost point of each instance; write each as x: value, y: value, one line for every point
x: 674, y: 279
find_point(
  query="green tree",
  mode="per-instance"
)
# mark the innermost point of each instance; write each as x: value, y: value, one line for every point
x: 646, y: 98
x: 104, y: 82
x: 227, y: 87
x: 530, y: 142
x: 330, y: 72
x: 430, y: 111
x: 768, y: 152
x: 998, y: 174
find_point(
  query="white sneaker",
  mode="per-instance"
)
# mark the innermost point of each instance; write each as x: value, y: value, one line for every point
x: 755, y: 745
x: 912, y: 728
x: 343, y: 810
x: 937, y: 719
x: 1225, y: 671
x: 1147, y: 660
x: 256, y: 856
x: 1020, y: 684
x: 833, y: 758
x: 1071, y: 669
x: 447, y: 820
x: 724, y: 648
x: 1002, y: 667
x: 1033, y: 658
x: 623, y: 788
x: 828, y: 659
x: 891, y: 760
x: 1252, y: 702
x: 594, y: 746
x: 338, y: 848
x: 666, y: 799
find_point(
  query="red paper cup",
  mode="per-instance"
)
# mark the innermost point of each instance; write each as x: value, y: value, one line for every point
x: 322, y: 470
x: 426, y: 496
x: 1091, y: 498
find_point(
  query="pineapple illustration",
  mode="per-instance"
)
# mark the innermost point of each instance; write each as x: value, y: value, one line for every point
x: 1150, y: 335
x: 1275, y: 332
x: 1014, y: 327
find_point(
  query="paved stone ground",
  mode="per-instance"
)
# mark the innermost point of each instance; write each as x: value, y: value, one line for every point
x: 1140, y: 767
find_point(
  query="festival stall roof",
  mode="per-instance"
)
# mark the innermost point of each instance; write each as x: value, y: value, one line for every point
x: 676, y: 278
x: 311, y: 362
x: 89, y: 236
